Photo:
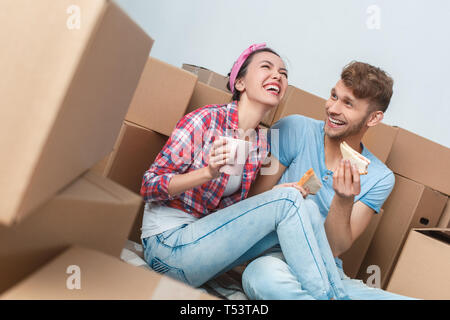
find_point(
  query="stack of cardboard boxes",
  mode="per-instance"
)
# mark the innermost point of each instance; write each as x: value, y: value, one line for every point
x: 69, y: 73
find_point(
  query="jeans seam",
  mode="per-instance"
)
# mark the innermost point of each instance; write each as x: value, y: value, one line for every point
x: 212, y: 231
x: 310, y: 249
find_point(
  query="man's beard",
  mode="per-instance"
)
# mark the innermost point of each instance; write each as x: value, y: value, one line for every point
x: 352, y: 130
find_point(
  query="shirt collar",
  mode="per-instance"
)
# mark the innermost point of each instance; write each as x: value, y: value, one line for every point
x: 232, y: 116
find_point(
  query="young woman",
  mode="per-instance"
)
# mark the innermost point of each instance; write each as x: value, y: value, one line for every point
x: 198, y: 221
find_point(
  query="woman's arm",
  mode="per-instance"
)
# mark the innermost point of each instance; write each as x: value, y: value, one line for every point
x: 218, y: 157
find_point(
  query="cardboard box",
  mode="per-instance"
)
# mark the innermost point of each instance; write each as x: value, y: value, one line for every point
x: 93, y: 212
x: 208, y: 77
x: 423, y: 268
x: 421, y: 160
x: 297, y: 101
x: 81, y: 273
x: 444, y: 222
x: 354, y: 256
x: 410, y: 205
x: 161, y: 97
x: 205, y: 95
x: 65, y: 92
x: 379, y: 140
x: 134, y: 152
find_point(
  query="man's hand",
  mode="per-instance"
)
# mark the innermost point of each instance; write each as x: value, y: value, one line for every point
x: 303, y: 191
x: 346, y: 183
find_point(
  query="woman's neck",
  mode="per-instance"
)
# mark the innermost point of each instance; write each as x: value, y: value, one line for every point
x: 250, y: 113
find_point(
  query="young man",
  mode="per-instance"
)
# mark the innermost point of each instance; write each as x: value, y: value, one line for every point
x: 346, y: 202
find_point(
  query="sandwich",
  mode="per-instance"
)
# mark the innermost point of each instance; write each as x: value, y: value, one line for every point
x: 355, y: 158
x: 310, y: 181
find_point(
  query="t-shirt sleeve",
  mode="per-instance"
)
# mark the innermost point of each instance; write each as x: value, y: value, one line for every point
x: 284, y: 138
x: 378, y: 194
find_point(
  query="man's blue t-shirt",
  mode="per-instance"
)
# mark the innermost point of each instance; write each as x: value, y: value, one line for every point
x: 301, y: 147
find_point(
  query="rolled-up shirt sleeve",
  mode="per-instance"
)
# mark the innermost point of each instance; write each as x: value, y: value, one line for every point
x: 176, y: 157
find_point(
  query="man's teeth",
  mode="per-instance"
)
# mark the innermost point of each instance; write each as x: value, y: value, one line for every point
x: 272, y: 87
x: 337, y: 122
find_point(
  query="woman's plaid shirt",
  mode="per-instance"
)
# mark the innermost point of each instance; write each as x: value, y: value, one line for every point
x: 187, y: 149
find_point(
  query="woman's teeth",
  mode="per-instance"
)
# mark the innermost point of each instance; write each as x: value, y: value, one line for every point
x: 272, y: 88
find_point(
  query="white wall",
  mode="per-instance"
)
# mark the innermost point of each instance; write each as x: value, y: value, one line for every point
x: 316, y: 39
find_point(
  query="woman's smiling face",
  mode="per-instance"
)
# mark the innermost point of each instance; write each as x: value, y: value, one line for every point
x: 266, y: 79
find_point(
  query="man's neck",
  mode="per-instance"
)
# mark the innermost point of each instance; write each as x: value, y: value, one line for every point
x: 332, y: 149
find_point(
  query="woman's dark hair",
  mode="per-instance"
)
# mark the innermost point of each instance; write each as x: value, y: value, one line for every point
x: 243, y: 71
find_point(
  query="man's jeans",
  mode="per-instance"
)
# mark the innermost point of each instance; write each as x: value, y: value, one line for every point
x: 199, y: 251
x: 270, y: 278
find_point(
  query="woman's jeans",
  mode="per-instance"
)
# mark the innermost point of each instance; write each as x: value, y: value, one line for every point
x: 199, y: 251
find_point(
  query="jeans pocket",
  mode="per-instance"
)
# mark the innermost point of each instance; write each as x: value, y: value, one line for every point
x: 158, y: 266
x: 164, y: 236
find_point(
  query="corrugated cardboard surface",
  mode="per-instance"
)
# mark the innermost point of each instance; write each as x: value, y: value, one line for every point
x: 421, y: 160
x: 134, y: 152
x: 444, y: 222
x: 93, y: 211
x: 379, y: 140
x: 353, y: 257
x: 64, y: 94
x: 423, y: 268
x: 410, y: 205
x: 206, y: 76
x: 204, y: 95
x: 99, y: 276
x: 297, y: 101
x: 161, y: 97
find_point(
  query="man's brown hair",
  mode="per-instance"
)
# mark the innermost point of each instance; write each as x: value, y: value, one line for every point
x: 369, y: 82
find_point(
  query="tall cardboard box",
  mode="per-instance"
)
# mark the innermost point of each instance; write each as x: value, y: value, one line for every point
x: 134, y: 152
x: 205, y: 95
x: 206, y: 76
x: 354, y: 256
x: 86, y: 274
x: 421, y: 160
x: 64, y: 93
x: 297, y: 101
x: 93, y: 211
x: 161, y: 97
x: 410, y: 205
x: 422, y: 271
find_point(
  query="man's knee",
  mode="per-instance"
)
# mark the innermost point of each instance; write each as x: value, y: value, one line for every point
x: 260, y: 277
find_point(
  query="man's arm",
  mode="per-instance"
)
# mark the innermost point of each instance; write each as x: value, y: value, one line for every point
x: 345, y: 220
x: 345, y: 223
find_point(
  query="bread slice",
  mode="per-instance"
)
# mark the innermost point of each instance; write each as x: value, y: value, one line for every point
x: 310, y: 181
x: 361, y: 162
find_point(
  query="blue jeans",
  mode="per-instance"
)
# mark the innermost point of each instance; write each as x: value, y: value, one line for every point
x: 199, y: 251
x: 270, y: 278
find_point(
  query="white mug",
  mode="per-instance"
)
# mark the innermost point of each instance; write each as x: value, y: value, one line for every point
x: 239, y: 150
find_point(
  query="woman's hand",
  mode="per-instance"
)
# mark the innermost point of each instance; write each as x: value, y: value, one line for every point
x: 303, y: 191
x: 219, y: 156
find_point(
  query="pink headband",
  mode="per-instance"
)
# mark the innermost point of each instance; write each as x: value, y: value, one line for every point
x: 240, y: 61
